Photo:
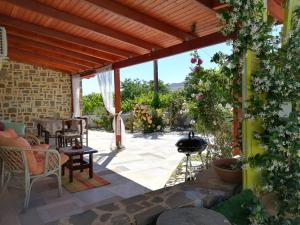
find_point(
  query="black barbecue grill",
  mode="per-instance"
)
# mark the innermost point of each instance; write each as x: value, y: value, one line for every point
x: 190, y: 145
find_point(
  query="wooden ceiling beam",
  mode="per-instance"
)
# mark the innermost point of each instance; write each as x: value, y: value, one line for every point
x: 75, y: 20
x: 105, y: 49
x: 149, y: 21
x: 44, y: 52
x: 200, y: 42
x: 36, y: 62
x: 51, y: 50
x: 36, y: 56
x: 276, y: 9
x: 69, y: 48
x: 213, y: 5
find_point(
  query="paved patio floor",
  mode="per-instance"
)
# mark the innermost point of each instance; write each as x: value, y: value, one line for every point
x: 145, y: 164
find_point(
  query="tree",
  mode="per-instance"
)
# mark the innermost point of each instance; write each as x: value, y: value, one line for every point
x: 132, y: 88
x: 92, y: 102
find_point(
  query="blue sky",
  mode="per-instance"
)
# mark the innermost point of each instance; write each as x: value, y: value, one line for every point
x: 171, y: 69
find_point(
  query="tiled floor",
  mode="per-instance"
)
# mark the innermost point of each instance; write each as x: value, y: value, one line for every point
x: 145, y: 164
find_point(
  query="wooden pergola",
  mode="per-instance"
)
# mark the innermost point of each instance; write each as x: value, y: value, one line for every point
x: 80, y: 36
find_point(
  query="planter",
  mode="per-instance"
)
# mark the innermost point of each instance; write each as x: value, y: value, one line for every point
x: 227, y: 175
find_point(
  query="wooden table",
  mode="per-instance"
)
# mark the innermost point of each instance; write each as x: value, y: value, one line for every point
x: 191, y: 216
x: 76, y: 161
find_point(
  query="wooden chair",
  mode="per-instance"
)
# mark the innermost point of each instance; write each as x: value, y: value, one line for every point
x: 71, y: 130
x: 85, y: 129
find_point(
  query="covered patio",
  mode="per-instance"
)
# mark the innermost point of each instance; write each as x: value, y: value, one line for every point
x: 53, y: 45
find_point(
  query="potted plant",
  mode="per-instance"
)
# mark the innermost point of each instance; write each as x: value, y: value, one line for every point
x: 228, y: 169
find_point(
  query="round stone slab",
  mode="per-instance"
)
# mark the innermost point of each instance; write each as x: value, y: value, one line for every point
x: 191, y: 216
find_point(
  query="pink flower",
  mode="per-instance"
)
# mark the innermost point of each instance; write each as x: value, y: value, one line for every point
x: 193, y: 60
x: 196, y: 69
x: 199, y: 61
x: 199, y: 97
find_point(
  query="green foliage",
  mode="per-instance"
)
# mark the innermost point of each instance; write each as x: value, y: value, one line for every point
x: 276, y: 83
x: 148, y: 119
x: 209, y: 97
x: 155, y: 101
x: 238, y: 208
x: 176, y: 104
x: 92, y: 102
x: 103, y: 119
x: 134, y: 88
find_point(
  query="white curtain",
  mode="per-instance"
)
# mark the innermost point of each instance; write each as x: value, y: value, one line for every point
x: 106, y: 85
x: 76, y: 95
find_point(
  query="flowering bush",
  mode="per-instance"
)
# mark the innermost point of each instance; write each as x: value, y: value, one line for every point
x: 275, y: 102
x: 147, y: 119
x: 209, y: 99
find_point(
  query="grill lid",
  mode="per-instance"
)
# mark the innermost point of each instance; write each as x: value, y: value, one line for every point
x: 191, y: 143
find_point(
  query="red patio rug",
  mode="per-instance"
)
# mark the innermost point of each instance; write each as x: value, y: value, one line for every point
x: 82, y: 181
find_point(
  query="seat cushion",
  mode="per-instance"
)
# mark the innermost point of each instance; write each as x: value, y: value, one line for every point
x: 41, y: 162
x: 40, y: 147
x: 12, y: 132
x: 20, y: 142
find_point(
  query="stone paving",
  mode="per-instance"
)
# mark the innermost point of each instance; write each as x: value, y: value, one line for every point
x: 145, y: 209
x: 145, y: 165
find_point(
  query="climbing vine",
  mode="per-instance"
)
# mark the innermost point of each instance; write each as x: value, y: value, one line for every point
x: 274, y: 103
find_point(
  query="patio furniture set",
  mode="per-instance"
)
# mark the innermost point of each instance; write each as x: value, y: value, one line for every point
x: 28, y: 157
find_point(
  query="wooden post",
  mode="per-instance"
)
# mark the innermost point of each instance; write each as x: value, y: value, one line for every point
x: 117, y: 105
x: 251, y: 146
x: 155, y: 76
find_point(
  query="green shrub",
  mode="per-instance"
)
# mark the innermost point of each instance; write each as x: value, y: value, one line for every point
x: 147, y: 119
x: 103, y: 119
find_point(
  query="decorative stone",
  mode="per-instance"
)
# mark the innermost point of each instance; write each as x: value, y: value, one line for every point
x: 177, y: 200
x: 149, y: 216
x: 131, y: 208
x: 191, y: 216
x: 122, y: 219
x: 105, y: 217
x: 157, y: 199
x: 109, y: 207
x: 86, y: 218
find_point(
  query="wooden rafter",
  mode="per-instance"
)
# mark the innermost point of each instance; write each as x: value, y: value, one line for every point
x: 45, y: 52
x: 75, y: 20
x: 69, y: 48
x: 37, y: 62
x: 15, y: 40
x: 107, y: 50
x: 36, y: 56
x: 132, y: 14
x: 275, y: 9
x: 214, y: 5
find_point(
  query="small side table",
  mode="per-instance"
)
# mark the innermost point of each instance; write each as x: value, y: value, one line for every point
x: 78, y: 163
x: 191, y: 216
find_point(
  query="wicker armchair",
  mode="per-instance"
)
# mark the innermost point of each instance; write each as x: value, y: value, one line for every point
x: 14, y: 161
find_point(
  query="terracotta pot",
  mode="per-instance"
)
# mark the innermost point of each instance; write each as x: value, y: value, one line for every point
x: 227, y: 175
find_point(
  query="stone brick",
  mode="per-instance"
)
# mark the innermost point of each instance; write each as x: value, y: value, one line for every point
x: 28, y: 86
x: 24, y: 84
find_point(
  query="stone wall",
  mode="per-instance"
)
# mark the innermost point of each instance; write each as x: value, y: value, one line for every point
x: 28, y: 92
